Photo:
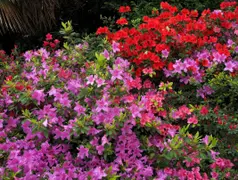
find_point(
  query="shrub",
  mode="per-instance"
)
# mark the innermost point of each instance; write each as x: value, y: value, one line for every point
x: 66, y: 114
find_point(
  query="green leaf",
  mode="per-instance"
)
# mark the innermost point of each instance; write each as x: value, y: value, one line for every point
x: 100, y: 59
x: 66, y: 45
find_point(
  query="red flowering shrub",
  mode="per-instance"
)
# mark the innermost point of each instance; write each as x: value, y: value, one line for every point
x: 178, y: 33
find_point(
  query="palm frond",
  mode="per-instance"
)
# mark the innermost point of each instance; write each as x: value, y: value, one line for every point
x: 27, y: 16
x: 10, y: 18
x: 39, y: 13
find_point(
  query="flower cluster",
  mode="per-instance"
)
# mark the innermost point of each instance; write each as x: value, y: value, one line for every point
x: 181, y: 43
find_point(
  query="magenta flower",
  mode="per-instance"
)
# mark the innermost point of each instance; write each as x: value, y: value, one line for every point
x: 217, y: 57
x: 119, y: 62
x: 214, y: 154
x: 135, y: 111
x: 172, y: 132
x: 193, y: 120
x: 58, y: 53
x: 82, y: 152
x: 230, y: 43
x: 52, y: 91
x: 104, y: 140
x: 94, y: 141
x: 100, y: 149
x: 115, y: 47
x: 79, y: 109
x: 208, y: 90
x: 64, y: 100
x: 28, y: 55
x: 179, y: 67
x: 230, y: 66
x: 102, y: 105
x: 206, y: 140
x: 165, y: 53
x: 93, y: 131
x: 79, y: 46
x: 1, y: 123
x: 74, y: 85
x: 167, y: 73
x: 38, y: 95
x: 45, y: 123
x: 98, y: 173
x: 161, y: 175
x: 214, y: 175
x: 90, y: 80
x: 116, y: 74
x: 100, y: 82
x: 106, y: 54
x: 236, y: 49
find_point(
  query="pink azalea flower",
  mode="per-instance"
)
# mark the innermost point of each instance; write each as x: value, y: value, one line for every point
x: 193, y: 120
x: 28, y: 55
x: 38, y: 95
x: 52, y: 91
x: 79, y: 109
x: 102, y: 105
x: 217, y: 57
x: 104, y: 140
x: 214, y: 175
x: 1, y: 123
x: 116, y: 74
x: 93, y: 131
x: 115, y: 47
x: 48, y: 37
x: 214, y: 154
x: 90, y: 80
x: 100, y: 82
x: 206, y: 140
x: 64, y: 100
x: 82, y: 152
x: 172, y: 132
x: 106, y: 54
x: 98, y: 173
x: 45, y: 123
x: 135, y: 111
x: 230, y: 66
x: 100, y: 149
x: 165, y: 53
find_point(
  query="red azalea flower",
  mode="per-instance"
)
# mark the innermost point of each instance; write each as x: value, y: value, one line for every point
x: 48, y: 37
x: 9, y: 78
x: 56, y: 41
x: 122, y: 21
x: 225, y: 5
x: 52, y: 45
x: 64, y: 74
x: 19, y: 86
x: 205, y: 62
x: 204, y: 111
x: 170, y: 66
x: 4, y: 89
x: 102, y: 30
x: 46, y: 43
x: 167, y: 6
x: 124, y: 9
x: 28, y: 87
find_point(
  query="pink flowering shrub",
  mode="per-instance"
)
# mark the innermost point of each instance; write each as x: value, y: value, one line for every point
x: 64, y: 115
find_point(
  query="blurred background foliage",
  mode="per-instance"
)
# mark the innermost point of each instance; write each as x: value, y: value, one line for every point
x: 25, y: 22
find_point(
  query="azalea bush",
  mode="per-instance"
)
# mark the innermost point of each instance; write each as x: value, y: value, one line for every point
x: 198, y: 53
x: 155, y: 100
